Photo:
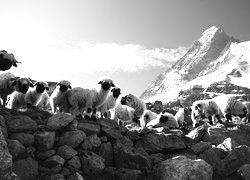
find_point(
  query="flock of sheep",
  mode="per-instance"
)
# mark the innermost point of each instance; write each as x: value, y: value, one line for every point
x: 106, y: 101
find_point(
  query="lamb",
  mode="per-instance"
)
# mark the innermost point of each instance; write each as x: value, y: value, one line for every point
x: 229, y: 106
x: 110, y: 102
x: 205, y: 109
x: 16, y: 101
x: 44, y: 103
x: 81, y: 100
x: 136, y: 103
x: 123, y: 114
x: 9, y: 83
x: 58, y: 99
x: 164, y: 119
x: 7, y: 60
x: 148, y: 116
x: 34, y: 95
x: 180, y: 116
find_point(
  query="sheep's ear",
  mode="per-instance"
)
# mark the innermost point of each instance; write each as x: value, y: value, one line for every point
x: 14, y: 64
x: 57, y: 84
x: 35, y: 84
x: 112, y: 89
x: 31, y: 84
x: 112, y: 85
x: 100, y: 82
x: 13, y: 81
x: 47, y: 88
x: 70, y: 87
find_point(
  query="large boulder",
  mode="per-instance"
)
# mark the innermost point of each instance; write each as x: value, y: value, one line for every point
x: 71, y: 138
x: 66, y: 152
x: 44, y: 140
x: 59, y: 121
x: 180, y: 167
x: 24, y: 138
x: 154, y: 143
x: 15, y: 148
x: 89, y: 128
x: 21, y: 124
x: 244, y: 172
x: 91, y: 143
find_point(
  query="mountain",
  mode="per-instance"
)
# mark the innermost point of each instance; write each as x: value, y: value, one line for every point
x: 215, y: 57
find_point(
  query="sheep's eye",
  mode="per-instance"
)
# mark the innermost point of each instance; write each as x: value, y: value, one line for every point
x: 129, y: 98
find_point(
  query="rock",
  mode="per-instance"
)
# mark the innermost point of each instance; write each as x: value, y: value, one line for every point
x: 15, y: 148
x: 180, y: 167
x: 244, y: 172
x: 66, y: 152
x: 215, y: 135
x: 53, y: 161
x: 26, y: 168
x: 59, y: 121
x: 92, y: 164
x: 45, y: 154
x: 71, y: 138
x: 213, y: 156
x: 51, y: 177
x: 91, y: 143
x: 112, y: 133
x: 154, y: 143
x: 21, y: 124
x: 228, y: 144
x: 24, y: 138
x: 200, y: 147
x: 234, y: 160
x: 5, y: 158
x: 3, y: 126
x: 75, y: 162
x: 156, y: 158
x: 107, y: 123
x: 44, y: 140
x: 128, y: 174
x: 75, y: 176
x: 89, y: 128
x: 72, y: 126
x: 198, y: 133
x: 51, y: 170
x: 126, y: 156
x: 106, y: 152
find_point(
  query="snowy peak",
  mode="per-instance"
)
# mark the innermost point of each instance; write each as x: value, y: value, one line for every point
x: 215, y: 55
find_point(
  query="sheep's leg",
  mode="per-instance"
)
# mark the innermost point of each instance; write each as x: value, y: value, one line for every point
x: 105, y: 114
x: 93, y: 116
x: 87, y: 115
x: 218, y: 118
x: 210, y: 120
x: 228, y: 117
x: 4, y: 98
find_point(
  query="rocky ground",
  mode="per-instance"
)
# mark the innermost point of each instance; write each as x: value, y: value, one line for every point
x: 39, y: 145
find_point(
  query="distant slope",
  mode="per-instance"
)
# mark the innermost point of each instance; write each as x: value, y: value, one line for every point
x: 214, y: 57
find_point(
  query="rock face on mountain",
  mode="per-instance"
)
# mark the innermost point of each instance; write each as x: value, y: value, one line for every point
x: 214, y: 57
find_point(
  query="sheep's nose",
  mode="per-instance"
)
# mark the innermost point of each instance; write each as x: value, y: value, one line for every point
x: 106, y: 86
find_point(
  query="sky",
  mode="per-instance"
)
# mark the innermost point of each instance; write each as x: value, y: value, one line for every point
x: 131, y: 41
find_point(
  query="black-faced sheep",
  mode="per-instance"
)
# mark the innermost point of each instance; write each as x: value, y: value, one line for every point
x: 202, y: 109
x: 229, y: 106
x: 9, y: 83
x: 110, y: 102
x: 136, y: 103
x: 88, y: 100
x: 34, y: 95
x: 58, y: 99
x: 164, y: 119
x: 148, y: 116
x: 123, y: 114
x: 7, y: 60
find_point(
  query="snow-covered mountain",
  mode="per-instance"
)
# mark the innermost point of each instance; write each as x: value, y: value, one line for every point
x: 214, y: 57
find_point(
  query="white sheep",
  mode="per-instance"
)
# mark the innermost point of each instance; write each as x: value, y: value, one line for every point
x: 58, y: 99
x: 34, y: 95
x: 88, y: 100
x: 110, y: 102
x: 136, y: 103
x: 16, y: 101
x: 229, y: 106
x: 164, y: 119
x: 180, y: 116
x: 44, y: 102
x: 202, y: 109
x: 9, y: 83
x: 7, y: 60
x: 247, y: 104
x: 148, y: 116
x: 123, y: 114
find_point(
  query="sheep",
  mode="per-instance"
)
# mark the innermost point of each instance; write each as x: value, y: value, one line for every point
x: 88, y: 100
x: 110, y: 102
x: 148, y: 116
x: 123, y: 114
x: 16, y: 101
x: 229, y: 106
x: 58, y: 98
x: 205, y: 109
x: 44, y: 102
x: 9, y: 83
x: 164, y: 119
x: 34, y: 95
x: 247, y: 104
x: 7, y: 60
x: 136, y: 103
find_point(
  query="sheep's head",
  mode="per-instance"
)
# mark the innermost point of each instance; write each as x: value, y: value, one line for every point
x: 106, y: 84
x: 64, y: 85
x: 116, y: 92
x: 41, y: 86
x: 21, y: 84
x: 198, y: 111
x: 7, y: 60
x: 129, y: 100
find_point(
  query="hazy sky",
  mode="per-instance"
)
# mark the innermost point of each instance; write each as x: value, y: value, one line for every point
x: 131, y: 41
